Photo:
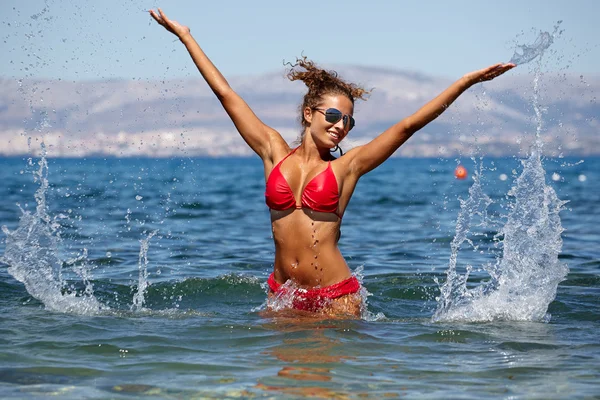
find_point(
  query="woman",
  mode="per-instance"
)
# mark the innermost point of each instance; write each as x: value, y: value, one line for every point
x: 307, y: 189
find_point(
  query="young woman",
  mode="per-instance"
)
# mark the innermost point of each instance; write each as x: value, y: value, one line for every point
x: 307, y: 189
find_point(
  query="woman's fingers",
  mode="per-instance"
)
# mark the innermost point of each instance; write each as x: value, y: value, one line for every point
x: 495, y: 71
x: 163, y: 16
x: 489, y: 73
x: 156, y: 17
x: 502, y: 68
x: 162, y: 19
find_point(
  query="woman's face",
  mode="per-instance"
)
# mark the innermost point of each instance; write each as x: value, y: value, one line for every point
x: 328, y: 134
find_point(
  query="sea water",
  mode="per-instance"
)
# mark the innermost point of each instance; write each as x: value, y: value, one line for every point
x: 177, y: 312
x: 140, y: 277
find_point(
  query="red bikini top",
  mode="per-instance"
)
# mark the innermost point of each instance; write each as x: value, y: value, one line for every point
x: 320, y: 194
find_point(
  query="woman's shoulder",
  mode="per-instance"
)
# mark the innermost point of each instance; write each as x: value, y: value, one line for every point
x: 343, y: 164
x: 346, y: 156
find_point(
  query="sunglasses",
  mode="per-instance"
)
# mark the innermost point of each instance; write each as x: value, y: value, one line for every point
x: 333, y: 115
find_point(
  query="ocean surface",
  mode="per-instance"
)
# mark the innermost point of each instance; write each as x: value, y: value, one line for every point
x: 125, y: 278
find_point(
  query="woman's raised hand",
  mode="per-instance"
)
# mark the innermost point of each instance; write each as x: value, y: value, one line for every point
x: 172, y: 26
x: 489, y: 73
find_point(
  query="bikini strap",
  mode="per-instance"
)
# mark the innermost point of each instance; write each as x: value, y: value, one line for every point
x: 285, y: 158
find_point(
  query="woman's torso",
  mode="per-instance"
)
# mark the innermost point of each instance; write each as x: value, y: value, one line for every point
x: 305, y: 236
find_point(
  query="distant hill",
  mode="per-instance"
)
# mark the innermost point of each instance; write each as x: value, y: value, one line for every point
x: 183, y: 118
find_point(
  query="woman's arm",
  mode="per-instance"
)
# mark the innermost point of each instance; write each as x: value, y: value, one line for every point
x: 365, y: 158
x: 258, y: 135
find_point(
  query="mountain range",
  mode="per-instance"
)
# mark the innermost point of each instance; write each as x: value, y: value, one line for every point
x: 182, y: 117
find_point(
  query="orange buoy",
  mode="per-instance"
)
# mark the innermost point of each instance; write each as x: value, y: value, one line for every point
x: 460, y: 172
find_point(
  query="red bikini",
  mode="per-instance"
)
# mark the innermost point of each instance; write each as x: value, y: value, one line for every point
x: 316, y: 298
x: 320, y: 194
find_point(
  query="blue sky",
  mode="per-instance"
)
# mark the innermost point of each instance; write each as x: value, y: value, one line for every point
x: 83, y: 39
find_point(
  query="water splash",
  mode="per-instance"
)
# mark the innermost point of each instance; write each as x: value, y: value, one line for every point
x: 524, y: 279
x: 32, y: 255
x: 527, y: 53
x: 474, y: 208
x: 138, y: 297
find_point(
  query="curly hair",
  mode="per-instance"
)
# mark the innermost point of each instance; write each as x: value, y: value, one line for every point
x: 321, y: 83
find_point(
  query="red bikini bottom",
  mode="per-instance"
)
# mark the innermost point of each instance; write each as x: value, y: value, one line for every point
x: 316, y: 298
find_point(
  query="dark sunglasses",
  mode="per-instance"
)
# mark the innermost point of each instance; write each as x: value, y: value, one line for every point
x: 333, y: 115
